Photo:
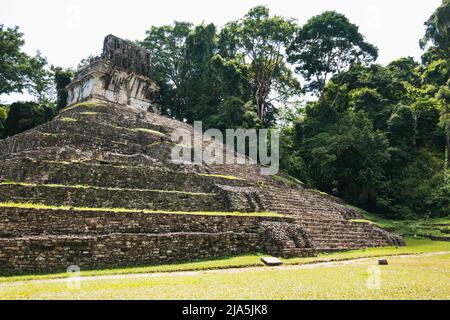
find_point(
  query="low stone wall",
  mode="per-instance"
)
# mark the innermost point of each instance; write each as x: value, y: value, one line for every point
x: 43, y: 254
x: 34, y: 240
x: 16, y: 222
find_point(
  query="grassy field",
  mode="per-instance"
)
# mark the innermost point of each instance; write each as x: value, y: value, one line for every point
x: 410, y: 277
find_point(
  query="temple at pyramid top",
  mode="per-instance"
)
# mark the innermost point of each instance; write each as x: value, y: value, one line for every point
x: 127, y: 55
x: 122, y: 74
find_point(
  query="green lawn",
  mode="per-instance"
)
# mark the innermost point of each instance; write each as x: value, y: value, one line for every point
x: 438, y: 227
x: 414, y: 277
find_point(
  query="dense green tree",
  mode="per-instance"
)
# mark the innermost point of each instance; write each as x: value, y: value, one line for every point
x: 14, y: 68
x: 260, y: 40
x: 18, y: 71
x: 41, y: 84
x: 405, y: 69
x: 437, y: 40
x: 327, y: 45
x: 202, y: 88
x: 402, y: 128
x: 3, y: 115
x: 62, y: 78
x: 437, y: 30
x: 444, y: 97
x: 26, y: 115
x: 399, y: 110
x: 167, y: 45
x: 348, y: 158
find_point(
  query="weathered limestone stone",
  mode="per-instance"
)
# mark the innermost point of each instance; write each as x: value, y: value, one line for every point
x: 271, y: 261
x: 122, y: 74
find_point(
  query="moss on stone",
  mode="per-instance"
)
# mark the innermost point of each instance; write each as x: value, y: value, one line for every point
x: 82, y: 104
x: 38, y: 206
x: 289, y: 182
x: 46, y: 134
x: 66, y: 119
x: 219, y: 176
x: 362, y: 221
x: 52, y: 185
x: 149, y: 131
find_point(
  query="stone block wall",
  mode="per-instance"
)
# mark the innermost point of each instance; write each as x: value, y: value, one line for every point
x: 15, y: 222
x: 51, y: 240
x: 43, y: 254
x: 112, y: 198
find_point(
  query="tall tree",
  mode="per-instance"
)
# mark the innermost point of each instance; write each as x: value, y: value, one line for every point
x: 327, y: 45
x: 444, y: 96
x: 437, y: 35
x: 168, y: 47
x: 42, y: 85
x: 202, y: 88
x: 18, y: 71
x: 261, y: 40
x: 13, y: 62
x: 437, y: 30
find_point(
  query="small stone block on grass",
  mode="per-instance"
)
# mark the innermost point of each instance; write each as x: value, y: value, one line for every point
x: 269, y: 261
x: 383, y: 262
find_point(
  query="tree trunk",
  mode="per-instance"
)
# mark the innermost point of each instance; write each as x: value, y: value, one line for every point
x: 447, y: 138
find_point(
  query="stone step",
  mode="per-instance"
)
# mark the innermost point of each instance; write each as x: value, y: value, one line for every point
x: 108, y: 175
x: 33, y: 140
x: 298, y: 252
x: 94, y: 197
x: 30, y: 221
x: 104, y: 131
x: 113, y: 116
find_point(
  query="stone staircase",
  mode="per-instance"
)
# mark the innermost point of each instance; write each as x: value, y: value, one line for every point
x: 325, y: 221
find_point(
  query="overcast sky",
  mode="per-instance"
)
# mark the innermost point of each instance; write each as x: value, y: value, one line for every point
x: 69, y: 30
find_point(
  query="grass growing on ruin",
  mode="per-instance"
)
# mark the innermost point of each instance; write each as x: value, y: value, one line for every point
x: 38, y: 206
x: 46, y: 134
x: 82, y: 104
x: 438, y: 227
x: 362, y: 221
x: 66, y: 119
x: 290, y: 181
x: 414, y: 246
x: 415, y: 277
x: 149, y: 131
x: 145, y: 130
x: 52, y: 185
x: 88, y: 113
x: 221, y: 176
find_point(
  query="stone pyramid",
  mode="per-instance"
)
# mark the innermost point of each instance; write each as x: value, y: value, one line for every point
x: 96, y: 188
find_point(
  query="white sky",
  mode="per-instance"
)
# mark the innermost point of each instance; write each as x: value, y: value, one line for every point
x: 69, y: 30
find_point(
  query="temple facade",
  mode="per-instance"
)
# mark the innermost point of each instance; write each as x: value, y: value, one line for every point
x: 122, y: 75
